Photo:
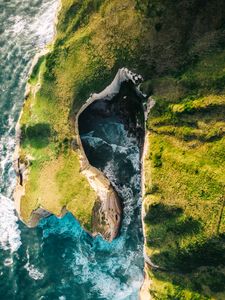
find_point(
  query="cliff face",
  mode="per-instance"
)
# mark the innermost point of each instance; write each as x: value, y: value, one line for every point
x: 178, y: 47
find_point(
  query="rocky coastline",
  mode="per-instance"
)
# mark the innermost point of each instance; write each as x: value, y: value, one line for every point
x: 109, y: 207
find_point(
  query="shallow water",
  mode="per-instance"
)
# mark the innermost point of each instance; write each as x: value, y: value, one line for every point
x: 58, y: 260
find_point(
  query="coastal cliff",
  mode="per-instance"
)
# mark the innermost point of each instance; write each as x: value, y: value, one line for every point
x: 181, y: 56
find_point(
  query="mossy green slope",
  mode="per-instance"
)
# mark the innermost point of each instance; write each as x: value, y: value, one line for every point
x: 185, y: 182
x: 178, y: 46
x: 184, y: 187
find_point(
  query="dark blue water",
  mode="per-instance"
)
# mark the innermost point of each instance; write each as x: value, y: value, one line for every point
x: 58, y: 260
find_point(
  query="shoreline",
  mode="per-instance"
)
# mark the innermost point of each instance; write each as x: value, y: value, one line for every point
x: 19, y: 190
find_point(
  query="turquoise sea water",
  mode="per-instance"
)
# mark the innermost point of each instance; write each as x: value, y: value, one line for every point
x: 58, y: 260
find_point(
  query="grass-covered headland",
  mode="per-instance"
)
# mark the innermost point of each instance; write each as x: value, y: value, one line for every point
x: 179, y: 49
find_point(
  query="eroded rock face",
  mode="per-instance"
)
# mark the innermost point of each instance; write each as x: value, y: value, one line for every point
x: 107, y: 212
x: 36, y: 216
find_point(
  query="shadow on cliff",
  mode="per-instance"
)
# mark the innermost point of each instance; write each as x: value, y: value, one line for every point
x: 198, y: 265
x: 168, y: 225
x: 188, y: 259
x: 36, y: 135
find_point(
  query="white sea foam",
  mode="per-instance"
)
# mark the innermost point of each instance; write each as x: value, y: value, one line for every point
x: 9, y: 231
x: 43, y: 26
x: 7, y: 145
x: 93, y: 141
x: 19, y: 25
x: 106, y: 284
x: 32, y: 270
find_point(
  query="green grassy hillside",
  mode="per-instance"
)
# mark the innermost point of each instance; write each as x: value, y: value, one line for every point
x: 185, y: 180
x: 179, y: 48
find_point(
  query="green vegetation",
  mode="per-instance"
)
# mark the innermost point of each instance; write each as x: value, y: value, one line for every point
x: 37, y: 69
x: 184, y: 169
x: 185, y: 188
